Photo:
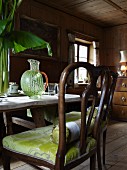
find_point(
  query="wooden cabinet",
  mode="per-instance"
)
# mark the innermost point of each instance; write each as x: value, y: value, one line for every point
x: 120, y: 100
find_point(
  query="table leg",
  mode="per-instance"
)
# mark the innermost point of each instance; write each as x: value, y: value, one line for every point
x: 8, y: 123
x: 38, y: 116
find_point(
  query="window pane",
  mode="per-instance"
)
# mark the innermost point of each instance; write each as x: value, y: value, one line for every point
x: 83, y: 59
x: 82, y: 74
x: 83, y: 51
x: 75, y: 49
x: 75, y: 59
x: 75, y: 77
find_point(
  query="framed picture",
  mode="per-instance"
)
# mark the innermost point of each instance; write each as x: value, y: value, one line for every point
x: 46, y: 31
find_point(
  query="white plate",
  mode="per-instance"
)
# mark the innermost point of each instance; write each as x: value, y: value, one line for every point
x: 15, y: 94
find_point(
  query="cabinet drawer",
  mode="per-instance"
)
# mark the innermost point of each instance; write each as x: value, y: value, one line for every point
x: 120, y: 98
x: 121, y: 84
x: 119, y: 112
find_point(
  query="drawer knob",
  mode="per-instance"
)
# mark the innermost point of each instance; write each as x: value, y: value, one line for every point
x: 123, y: 99
x: 123, y: 85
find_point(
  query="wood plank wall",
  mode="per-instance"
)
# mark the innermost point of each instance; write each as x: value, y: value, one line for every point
x: 115, y: 40
x: 53, y: 67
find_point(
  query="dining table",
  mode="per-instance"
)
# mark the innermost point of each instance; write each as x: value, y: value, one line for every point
x: 17, y: 103
x: 8, y: 104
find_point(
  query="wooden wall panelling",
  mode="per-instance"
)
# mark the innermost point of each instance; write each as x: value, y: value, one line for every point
x: 115, y: 39
x: 123, y: 37
x: 68, y: 23
x: 64, y: 21
x: 25, y: 7
x: 19, y: 64
x: 45, y: 13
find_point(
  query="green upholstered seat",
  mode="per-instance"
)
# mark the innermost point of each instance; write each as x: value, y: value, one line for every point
x: 72, y: 117
x: 27, y: 142
x: 75, y: 115
x: 69, y: 130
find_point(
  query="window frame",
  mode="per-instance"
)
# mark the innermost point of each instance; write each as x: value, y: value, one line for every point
x: 78, y: 43
x: 83, y: 44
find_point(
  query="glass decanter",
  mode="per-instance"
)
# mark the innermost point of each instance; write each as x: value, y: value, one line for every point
x: 32, y: 80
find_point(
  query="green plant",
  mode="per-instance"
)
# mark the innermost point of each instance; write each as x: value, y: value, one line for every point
x: 17, y: 41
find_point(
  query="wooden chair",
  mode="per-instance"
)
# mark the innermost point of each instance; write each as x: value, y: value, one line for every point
x: 40, y: 146
x: 106, y: 113
x: 74, y: 115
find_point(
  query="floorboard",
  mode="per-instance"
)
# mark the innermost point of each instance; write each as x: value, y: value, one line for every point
x: 116, y: 151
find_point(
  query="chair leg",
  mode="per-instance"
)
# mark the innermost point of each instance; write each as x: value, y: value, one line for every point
x: 6, y: 161
x: 2, y: 131
x: 104, y: 145
x: 99, y: 155
x: 93, y: 162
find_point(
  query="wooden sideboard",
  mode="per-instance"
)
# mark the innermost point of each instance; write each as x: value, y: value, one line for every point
x: 120, y: 100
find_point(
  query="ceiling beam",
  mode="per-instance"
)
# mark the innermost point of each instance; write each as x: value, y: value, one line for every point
x: 79, y: 3
x: 116, y: 6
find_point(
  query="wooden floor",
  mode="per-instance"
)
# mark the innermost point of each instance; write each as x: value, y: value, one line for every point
x: 116, y: 151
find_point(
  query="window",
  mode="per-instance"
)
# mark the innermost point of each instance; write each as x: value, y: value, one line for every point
x: 81, y: 54
x: 86, y: 49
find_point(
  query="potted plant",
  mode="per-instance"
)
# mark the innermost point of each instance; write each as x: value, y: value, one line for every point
x: 10, y: 39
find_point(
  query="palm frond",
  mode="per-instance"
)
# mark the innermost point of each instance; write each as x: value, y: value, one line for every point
x: 22, y: 40
x: 3, y: 24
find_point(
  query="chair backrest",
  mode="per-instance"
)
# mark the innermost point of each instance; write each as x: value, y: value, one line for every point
x: 90, y: 91
x: 110, y: 91
x: 112, y: 88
